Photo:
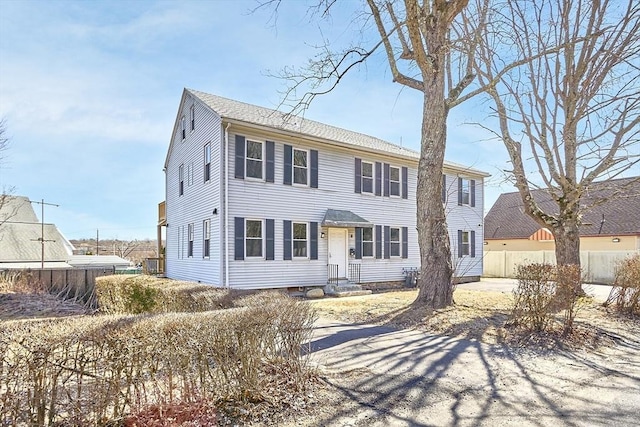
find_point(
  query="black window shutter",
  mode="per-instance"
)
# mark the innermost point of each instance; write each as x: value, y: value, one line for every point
x: 386, y: 180
x: 387, y: 242
x: 405, y: 242
x: 358, y: 243
x: 378, y: 179
x: 473, y: 244
x: 288, y: 168
x: 270, y: 243
x: 405, y: 182
x: 444, y: 188
x: 473, y: 193
x: 239, y: 238
x: 287, y: 239
x: 459, y: 243
x: 240, y: 146
x: 358, y: 176
x: 271, y: 155
x: 378, y: 241
x: 313, y: 230
x: 459, y: 191
x: 314, y: 168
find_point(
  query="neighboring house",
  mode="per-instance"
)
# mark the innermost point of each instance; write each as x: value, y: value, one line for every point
x: 610, y: 226
x: 257, y: 201
x: 21, y: 237
x: 99, y: 261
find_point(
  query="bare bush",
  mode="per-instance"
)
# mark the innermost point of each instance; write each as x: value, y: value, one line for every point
x: 625, y: 295
x: 95, y: 369
x: 544, y: 290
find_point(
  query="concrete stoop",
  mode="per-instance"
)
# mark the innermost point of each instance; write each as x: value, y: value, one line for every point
x: 345, y: 290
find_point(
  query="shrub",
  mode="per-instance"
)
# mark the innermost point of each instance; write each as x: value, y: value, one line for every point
x: 544, y: 290
x: 625, y: 295
x: 95, y: 369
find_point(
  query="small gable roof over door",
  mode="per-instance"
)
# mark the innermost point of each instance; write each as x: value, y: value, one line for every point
x: 344, y: 219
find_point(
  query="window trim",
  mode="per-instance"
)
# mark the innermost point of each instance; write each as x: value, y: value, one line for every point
x: 393, y: 243
x: 294, y: 240
x: 206, y: 238
x: 372, y: 242
x: 207, y: 165
x: 190, y: 232
x: 262, y: 160
x: 293, y: 167
x: 181, y: 179
x: 262, y: 239
x: 363, y: 177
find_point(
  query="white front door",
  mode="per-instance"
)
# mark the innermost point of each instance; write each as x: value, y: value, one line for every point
x: 338, y: 252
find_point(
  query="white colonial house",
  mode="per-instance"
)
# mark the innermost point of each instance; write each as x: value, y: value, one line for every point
x: 255, y: 199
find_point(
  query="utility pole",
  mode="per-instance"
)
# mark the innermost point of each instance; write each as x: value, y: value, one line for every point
x: 41, y: 239
x: 97, y: 241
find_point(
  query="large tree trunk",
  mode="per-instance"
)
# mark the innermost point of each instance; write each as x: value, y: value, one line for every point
x: 435, y: 283
x: 567, y: 239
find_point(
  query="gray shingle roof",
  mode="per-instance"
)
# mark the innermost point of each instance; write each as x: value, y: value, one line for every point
x: 621, y: 213
x: 338, y: 218
x: 248, y: 113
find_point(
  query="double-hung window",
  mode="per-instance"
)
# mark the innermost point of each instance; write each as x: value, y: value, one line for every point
x: 394, y: 181
x: 206, y: 237
x: 207, y: 162
x: 192, y: 117
x: 183, y: 128
x: 300, y: 239
x: 367, y: 241
x: 181, y: 179
x: 394, y: 241
x: 466, y: 185
x: 367, y: 177
x: 253, y: 238
x: 254, y: 159
x: 300, y: 167
x: 190, y: 237
x: 464, y: 243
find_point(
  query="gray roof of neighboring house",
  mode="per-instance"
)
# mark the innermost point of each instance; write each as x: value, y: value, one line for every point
x: 252, y: 114
x: 97, y: 261
x: 621, y: 211
x: 20, y: 235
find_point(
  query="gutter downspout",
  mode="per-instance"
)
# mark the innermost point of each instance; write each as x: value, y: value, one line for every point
x: 226, y: 206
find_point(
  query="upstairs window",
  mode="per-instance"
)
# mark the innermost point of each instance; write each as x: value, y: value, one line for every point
x: 394, y: 181
x: 367, y: 178
x: 181, y: 180
x: 465, y: 191
x: 192, y: 117
x: 190, y: 236
x: 206, y: 237
x: 300, y: 167
x: 254, y: 157
x: 253, y: 238
x: 367, y: 241
x: 183, y: 129
x: 207, y: 162
x: 394, y: 239
x: 300, y: 240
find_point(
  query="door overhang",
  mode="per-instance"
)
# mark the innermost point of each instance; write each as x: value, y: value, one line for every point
x: 344, y: 219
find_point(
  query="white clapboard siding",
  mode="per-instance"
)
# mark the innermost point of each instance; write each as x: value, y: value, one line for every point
x: 199, y: 199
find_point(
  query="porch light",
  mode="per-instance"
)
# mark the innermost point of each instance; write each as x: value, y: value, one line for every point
x: 616, y: 240
x: 322, y: 235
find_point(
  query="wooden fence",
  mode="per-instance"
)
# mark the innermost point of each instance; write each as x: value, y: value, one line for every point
x: 76, y: 284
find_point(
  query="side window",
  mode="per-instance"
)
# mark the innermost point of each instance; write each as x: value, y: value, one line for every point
x: 300, y: 167
x: 181, y: 179
x: 207, y: 162
x: 394, y: 239
x: 183, y: 129
x: 300, y: 240
x: 253, y: 238
x: 206, y: 237
x: 190, y: 237
x: 464, y: 244
x: 192, y: 117
x: 253, y: 158
x: 465, y: 191
x: 367, y: 178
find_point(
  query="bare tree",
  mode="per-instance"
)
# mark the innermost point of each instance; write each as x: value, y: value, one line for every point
x: 571, y: 116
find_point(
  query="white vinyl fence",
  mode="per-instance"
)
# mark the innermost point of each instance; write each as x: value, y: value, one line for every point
x: 598, y: 266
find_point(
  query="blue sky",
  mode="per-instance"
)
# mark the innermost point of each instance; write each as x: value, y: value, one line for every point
x: 89, y: 91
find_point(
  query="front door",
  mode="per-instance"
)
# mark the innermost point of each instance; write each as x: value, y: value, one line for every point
x: 338, y: 252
